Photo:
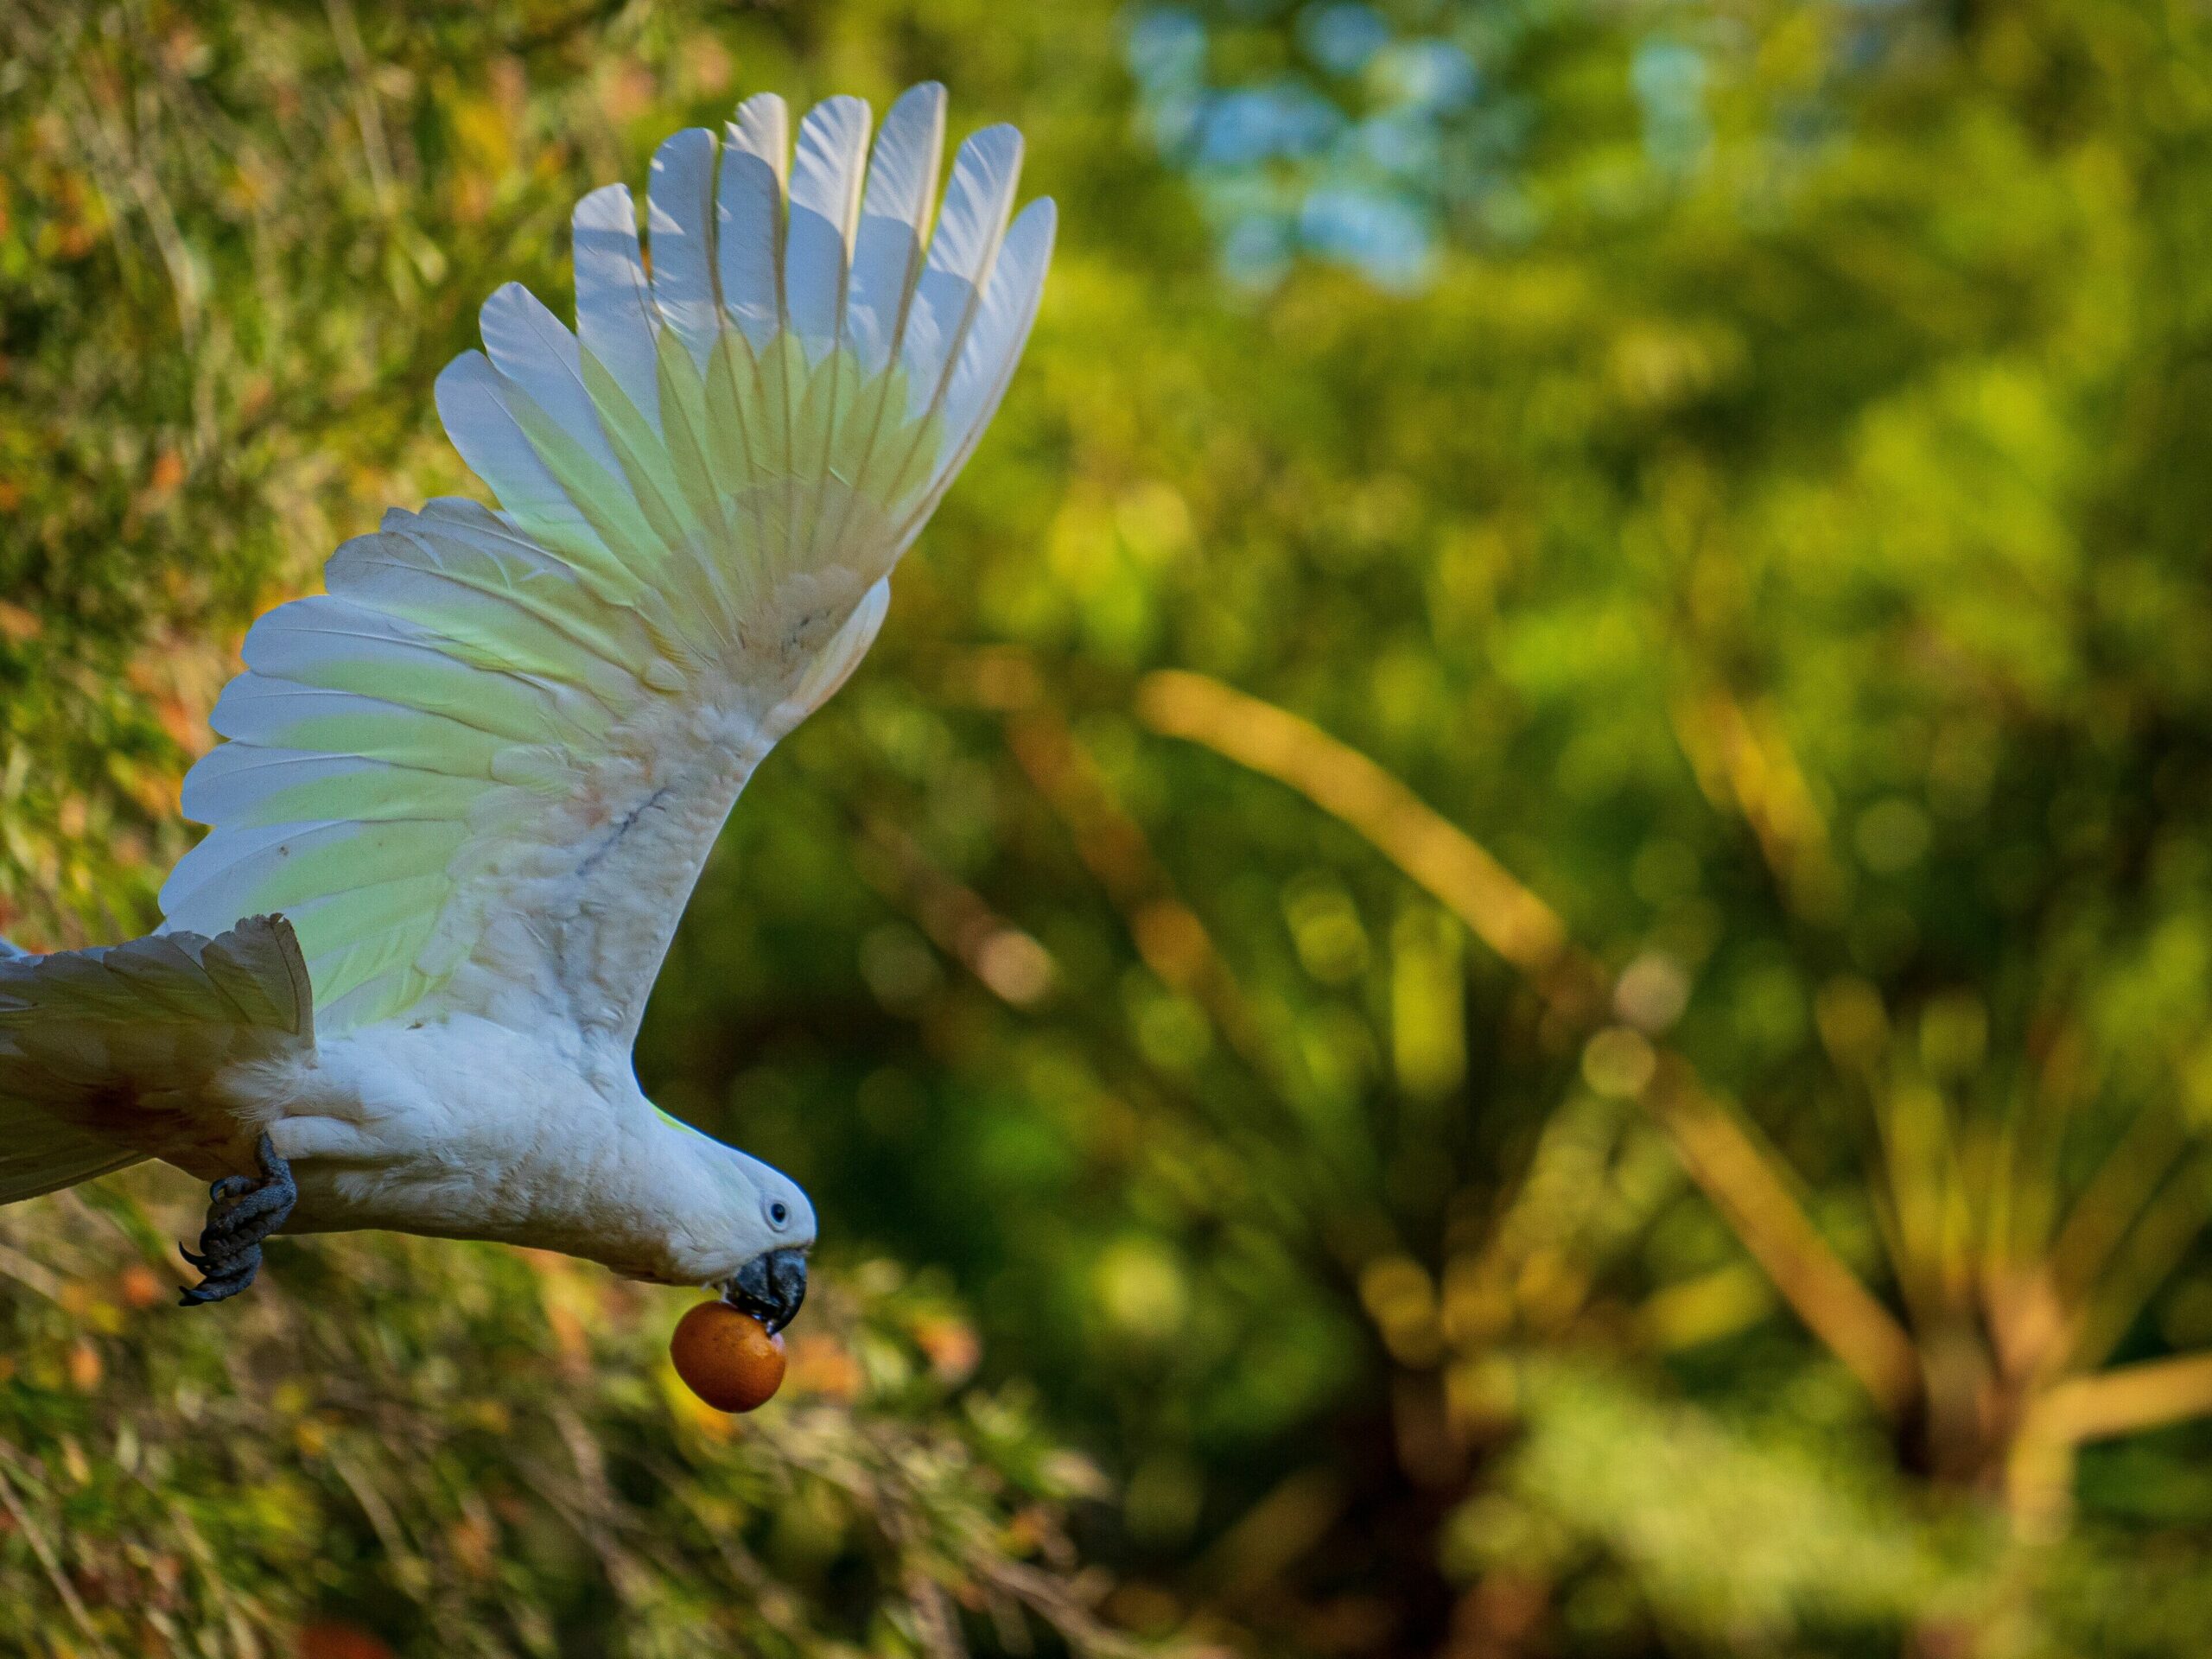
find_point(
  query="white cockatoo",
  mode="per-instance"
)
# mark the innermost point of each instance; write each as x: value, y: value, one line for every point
x: 468, y: 790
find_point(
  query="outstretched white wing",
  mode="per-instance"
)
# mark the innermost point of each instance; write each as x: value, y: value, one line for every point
x: 482, y: 773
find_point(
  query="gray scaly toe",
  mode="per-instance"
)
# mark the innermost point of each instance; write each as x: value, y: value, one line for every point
x: 240, y: 1214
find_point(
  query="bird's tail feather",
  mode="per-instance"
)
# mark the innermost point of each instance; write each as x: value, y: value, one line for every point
x: 99, y: 1047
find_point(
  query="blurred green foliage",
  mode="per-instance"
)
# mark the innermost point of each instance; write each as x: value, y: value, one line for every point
x: 1737, y: 464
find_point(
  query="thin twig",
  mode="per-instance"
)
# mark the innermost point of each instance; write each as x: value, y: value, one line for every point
x: 2170, y: 1224
x: 2115, y: 1199
x: 1516, y: 923
x: 1007, y: 960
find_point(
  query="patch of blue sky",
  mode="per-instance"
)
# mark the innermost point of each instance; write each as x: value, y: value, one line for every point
x: 1400, y: 144
x: 1341, y: 158
x: 1282, y: 120
x: 1669, y: 80
x: 1167, y: 47
x: 1384, y: 236
x: 1431, y: 75
x: 1343, y: 37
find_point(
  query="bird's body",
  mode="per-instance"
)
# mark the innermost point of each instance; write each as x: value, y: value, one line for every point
x: 468, y: 789
x: 465, y: 1129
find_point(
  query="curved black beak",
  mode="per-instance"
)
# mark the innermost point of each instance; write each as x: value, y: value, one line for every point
x: 770, y: 1287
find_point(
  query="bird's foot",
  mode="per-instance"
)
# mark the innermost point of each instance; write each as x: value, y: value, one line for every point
x: 240, y: 1214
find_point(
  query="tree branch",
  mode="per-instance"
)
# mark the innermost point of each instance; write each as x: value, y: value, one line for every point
x: 2127, y: 1400
x: 1741, y: 1178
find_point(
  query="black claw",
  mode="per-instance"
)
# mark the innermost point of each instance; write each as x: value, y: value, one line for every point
x: 227, y: 1278
x: 241, y: 1213
x: 217, y: 1262
x: 213, y: 1290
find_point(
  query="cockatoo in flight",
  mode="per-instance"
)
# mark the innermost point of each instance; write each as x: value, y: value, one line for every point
x: 468, y: 790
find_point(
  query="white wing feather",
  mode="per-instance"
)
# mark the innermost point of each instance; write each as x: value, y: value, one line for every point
x: 679, y: 216
x: 482, y: 772
x: 616, y: 320
x: 888, y: 247
x: 825, y: 203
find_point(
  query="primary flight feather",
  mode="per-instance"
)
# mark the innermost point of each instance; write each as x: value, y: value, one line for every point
x: 467, y: 791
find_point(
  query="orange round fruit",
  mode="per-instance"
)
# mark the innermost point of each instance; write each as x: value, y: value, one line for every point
x: 726, y: 1358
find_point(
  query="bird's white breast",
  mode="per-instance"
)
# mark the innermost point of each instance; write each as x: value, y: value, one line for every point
x: 464, y: 1128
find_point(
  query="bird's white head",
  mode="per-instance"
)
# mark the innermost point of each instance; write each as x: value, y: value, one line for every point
x: 769, y: 1229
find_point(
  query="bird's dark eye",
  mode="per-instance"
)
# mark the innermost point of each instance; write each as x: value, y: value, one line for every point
x: 779, y: 1213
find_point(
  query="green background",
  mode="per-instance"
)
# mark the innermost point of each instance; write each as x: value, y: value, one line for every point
x: 1646, y: 1094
